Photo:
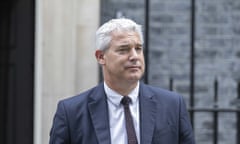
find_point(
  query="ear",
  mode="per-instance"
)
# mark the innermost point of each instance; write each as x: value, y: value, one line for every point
x: 99, y: 54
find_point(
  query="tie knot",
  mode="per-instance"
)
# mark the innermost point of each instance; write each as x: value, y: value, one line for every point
x: 126, y: 101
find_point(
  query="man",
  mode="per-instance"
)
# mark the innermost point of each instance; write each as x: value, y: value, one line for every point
x: 100, y: 116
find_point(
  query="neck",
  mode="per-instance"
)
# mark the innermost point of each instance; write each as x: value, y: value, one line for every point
x: 122, y: 88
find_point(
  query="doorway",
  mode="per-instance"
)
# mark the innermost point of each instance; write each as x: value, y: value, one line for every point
x: 16, y: 71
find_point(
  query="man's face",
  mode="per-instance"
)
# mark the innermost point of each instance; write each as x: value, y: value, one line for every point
x: 124, y: 59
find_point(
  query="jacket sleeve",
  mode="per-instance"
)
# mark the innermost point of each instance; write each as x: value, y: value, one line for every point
x: 59, y: 133
x: 186, y: 132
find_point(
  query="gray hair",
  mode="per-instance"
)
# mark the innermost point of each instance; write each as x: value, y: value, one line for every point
x: 103, y: 34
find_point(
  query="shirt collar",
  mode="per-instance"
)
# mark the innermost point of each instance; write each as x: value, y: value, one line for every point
x: 115, y: 98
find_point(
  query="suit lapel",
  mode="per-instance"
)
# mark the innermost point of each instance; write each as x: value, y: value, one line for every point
x: 147, y: 114
x: 99, y: 115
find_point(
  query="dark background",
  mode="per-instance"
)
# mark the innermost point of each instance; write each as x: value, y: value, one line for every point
x: 16, y: 71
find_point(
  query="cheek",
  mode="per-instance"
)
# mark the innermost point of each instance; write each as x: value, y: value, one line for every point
x: 115, y: 62
x: 142, y: 59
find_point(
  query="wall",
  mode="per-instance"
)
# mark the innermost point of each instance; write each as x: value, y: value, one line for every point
x: 64, y: 56
x: 217, y: 51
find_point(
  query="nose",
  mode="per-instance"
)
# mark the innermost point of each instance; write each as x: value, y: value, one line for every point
x: 133, y: 54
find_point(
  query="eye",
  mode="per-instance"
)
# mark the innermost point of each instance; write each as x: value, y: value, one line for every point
x: 139, y: 48
x: 123, y: 49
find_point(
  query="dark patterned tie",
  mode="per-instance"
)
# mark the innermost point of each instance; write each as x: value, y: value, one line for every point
x: 132, y: 138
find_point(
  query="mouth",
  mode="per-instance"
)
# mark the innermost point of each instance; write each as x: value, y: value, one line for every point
x: 133, y: 67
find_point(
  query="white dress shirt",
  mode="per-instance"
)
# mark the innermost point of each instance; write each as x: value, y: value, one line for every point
x: 116, y: 114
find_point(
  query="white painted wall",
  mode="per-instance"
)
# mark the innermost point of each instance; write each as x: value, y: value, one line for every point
x: 64, y: 56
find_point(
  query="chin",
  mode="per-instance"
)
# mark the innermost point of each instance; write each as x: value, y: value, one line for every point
x: 134, y: 76
x: 134, y: 79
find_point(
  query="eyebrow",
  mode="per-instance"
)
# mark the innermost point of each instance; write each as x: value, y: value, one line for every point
x: 127, y: 44
x: 139, y: 45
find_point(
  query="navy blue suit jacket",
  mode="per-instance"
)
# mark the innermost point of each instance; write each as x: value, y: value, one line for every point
x: 83, y: 119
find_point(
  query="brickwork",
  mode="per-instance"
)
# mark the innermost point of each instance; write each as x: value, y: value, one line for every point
x: 217, y: 51
x: 217, y: 43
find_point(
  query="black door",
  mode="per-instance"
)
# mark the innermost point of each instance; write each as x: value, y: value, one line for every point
x: 16, y: 71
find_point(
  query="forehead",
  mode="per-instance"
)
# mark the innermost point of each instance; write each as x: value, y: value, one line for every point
x: 126, y: 36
